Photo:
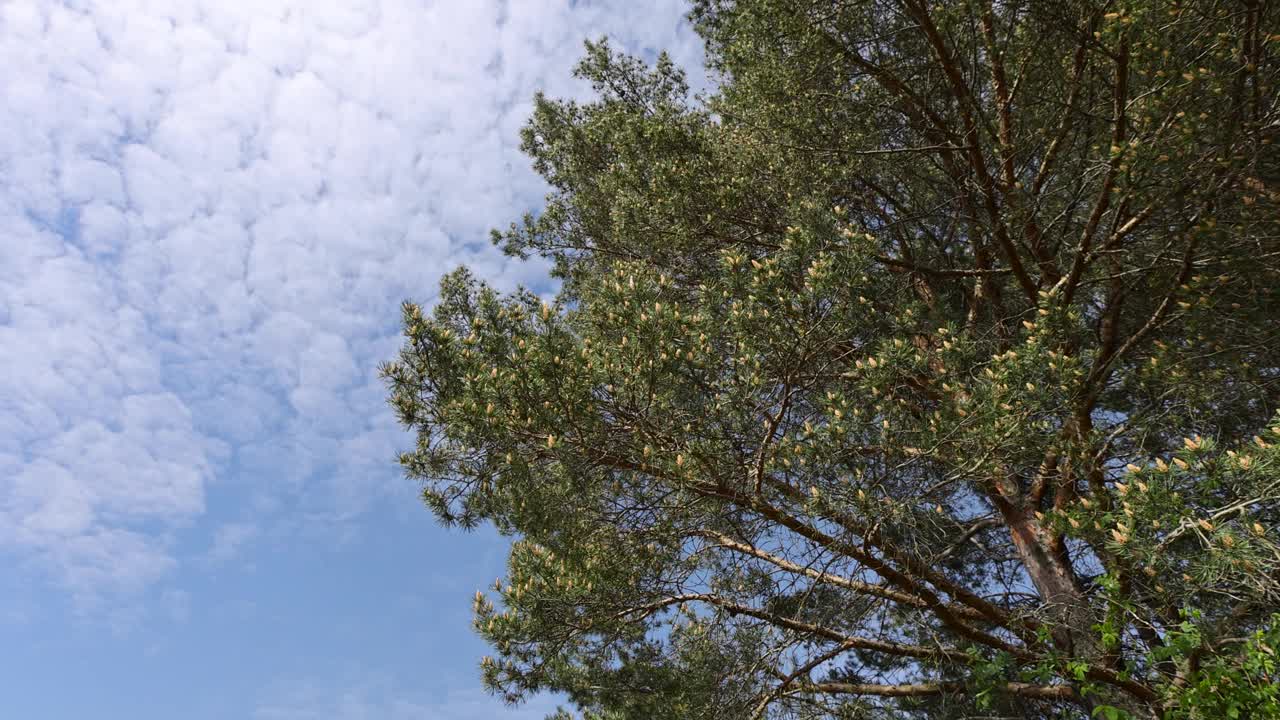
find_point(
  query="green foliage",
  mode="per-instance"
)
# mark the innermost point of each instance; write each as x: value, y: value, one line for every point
x: 1241, y: 683
x: 914, y: 373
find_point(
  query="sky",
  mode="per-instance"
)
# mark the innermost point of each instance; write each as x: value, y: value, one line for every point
x: 210, y: 211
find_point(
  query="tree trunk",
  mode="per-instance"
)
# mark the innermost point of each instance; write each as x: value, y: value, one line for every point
x: 1068, y: 608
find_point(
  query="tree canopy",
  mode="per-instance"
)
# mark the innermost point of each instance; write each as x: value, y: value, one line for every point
x: 927, y: 367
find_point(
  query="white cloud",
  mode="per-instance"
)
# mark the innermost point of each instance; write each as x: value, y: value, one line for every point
x: 211, y: 210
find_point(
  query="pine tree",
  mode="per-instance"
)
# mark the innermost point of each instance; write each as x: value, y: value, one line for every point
x: 926, y: 368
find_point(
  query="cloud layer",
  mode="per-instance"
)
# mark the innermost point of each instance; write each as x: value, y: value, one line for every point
x: 210, y: 210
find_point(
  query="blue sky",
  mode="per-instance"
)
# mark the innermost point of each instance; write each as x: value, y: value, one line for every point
x: 209, y: 213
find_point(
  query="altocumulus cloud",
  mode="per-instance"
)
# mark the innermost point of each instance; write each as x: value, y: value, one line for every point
x: 209, y: 211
